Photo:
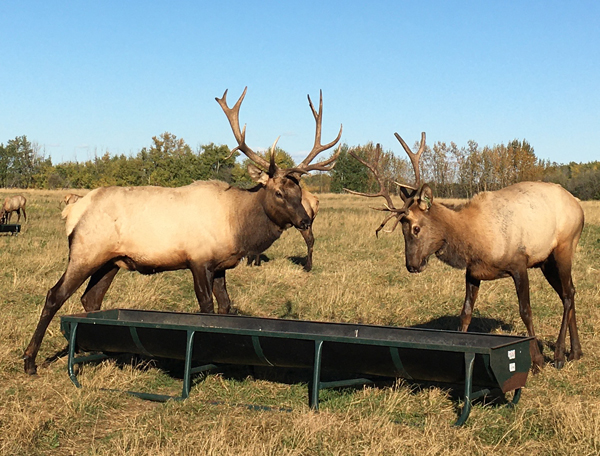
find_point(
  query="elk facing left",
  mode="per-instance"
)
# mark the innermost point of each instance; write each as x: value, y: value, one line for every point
x: 495, y: 235
x: 114, y: 228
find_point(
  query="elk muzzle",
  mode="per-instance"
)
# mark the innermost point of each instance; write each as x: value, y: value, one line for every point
x: 415, y: 268
x: 304, y: 224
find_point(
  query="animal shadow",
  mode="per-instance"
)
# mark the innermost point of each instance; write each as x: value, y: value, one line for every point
x: 478, y: 324
x: 298, y: 260
x: 262, y: 258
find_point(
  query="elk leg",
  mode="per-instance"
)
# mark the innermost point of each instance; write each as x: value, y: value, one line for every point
x: 24, y: 214
x: 253, y: 259
x: 70, y: 281
x: 309, y: 238
x: 559, y: 277
x: 472, y: 290
x: 220, y: 292
x: 203, y: 286
x: 98, y: 286
x: 521, y: 279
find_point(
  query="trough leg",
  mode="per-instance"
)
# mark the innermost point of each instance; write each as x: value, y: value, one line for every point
x: 469, y: 362
x: 315, y: 385
x: 71, y: 362
x: 516, y: 397
x: 187, y: 372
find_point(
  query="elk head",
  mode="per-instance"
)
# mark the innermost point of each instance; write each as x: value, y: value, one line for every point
x: 283, y: 195
x: 422, y: 234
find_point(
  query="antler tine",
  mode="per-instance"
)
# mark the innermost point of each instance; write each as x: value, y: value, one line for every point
x: 233, y: 115
x: 383, y: 192
x: 374, y: 168
x: 387, y: 219
x: 325, y: 165
x: 415, y: 157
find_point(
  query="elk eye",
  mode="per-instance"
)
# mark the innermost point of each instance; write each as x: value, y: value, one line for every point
x: 278, y: 194
x: 416, y: 230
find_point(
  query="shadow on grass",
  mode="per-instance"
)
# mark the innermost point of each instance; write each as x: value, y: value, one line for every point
x: 479, y: 325
x: 298, y: 260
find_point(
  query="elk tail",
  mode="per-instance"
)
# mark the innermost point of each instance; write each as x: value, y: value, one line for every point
x: 72, y: 213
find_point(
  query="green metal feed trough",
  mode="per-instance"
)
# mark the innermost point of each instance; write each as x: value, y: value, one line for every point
x: 482, y: 362
x: 12, y: 228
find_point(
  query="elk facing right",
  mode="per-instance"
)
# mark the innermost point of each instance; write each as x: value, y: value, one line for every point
x: 496, y: 234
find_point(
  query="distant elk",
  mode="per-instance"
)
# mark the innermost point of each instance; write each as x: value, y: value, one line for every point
x: 13, y: 204
x: 311, y: 206
x: 496, y: 234
x: 71, y: 198
x: 116, y: 227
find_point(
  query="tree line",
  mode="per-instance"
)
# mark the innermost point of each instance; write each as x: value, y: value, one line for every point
x: 452, y: 171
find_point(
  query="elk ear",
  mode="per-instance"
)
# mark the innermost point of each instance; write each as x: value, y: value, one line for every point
x: 257, y: 174
x: 425, y: 197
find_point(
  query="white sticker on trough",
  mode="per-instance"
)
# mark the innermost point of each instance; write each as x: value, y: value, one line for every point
x: 511, y: 354
x: 512, y: 367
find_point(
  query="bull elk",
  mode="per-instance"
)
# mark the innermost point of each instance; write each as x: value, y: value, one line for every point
x: 496, y: 234
x: 13, y: 204
x: 116, y: 227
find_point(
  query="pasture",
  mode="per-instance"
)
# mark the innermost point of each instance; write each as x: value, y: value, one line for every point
x: 355, y: 278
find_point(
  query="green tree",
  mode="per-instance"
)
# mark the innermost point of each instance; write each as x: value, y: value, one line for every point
x: 348, y: 172
x: 18, y: 163
x: 217, y: 162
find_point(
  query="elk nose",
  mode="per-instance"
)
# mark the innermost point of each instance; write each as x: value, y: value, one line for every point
x: 305, y: 224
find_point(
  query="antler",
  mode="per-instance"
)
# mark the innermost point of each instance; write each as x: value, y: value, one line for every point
x: 407, y: 197
x: 233, y: 115
x: 415, y: 157
x: 325, y: 165
x: 383, y: 192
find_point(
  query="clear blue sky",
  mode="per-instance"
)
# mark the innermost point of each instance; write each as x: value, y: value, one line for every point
x: 80, y: 78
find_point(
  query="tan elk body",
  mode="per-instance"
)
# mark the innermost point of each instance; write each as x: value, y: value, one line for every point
x: 496, y: 234
x: 131, y: 236
x: 116, y: 227
x: 13, y: 204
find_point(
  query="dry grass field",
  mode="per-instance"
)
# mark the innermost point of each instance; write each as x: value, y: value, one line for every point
x: 356, y: 278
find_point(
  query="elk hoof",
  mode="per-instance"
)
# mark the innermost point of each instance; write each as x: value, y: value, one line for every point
x: 30, y: 367
x: 538, y: 364
x: 559, y: 363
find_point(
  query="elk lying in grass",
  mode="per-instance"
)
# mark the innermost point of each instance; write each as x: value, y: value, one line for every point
x: 116, y: 227
x: 13, y: 204
x: 311, y: 206
x: 496, y: 234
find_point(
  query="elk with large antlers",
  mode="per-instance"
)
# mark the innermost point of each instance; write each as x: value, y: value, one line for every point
x: 116, y: 227
x: 496, y: 234
x: 309, y: 201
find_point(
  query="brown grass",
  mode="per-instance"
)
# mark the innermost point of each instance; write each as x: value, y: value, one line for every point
x: 356, y: 278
